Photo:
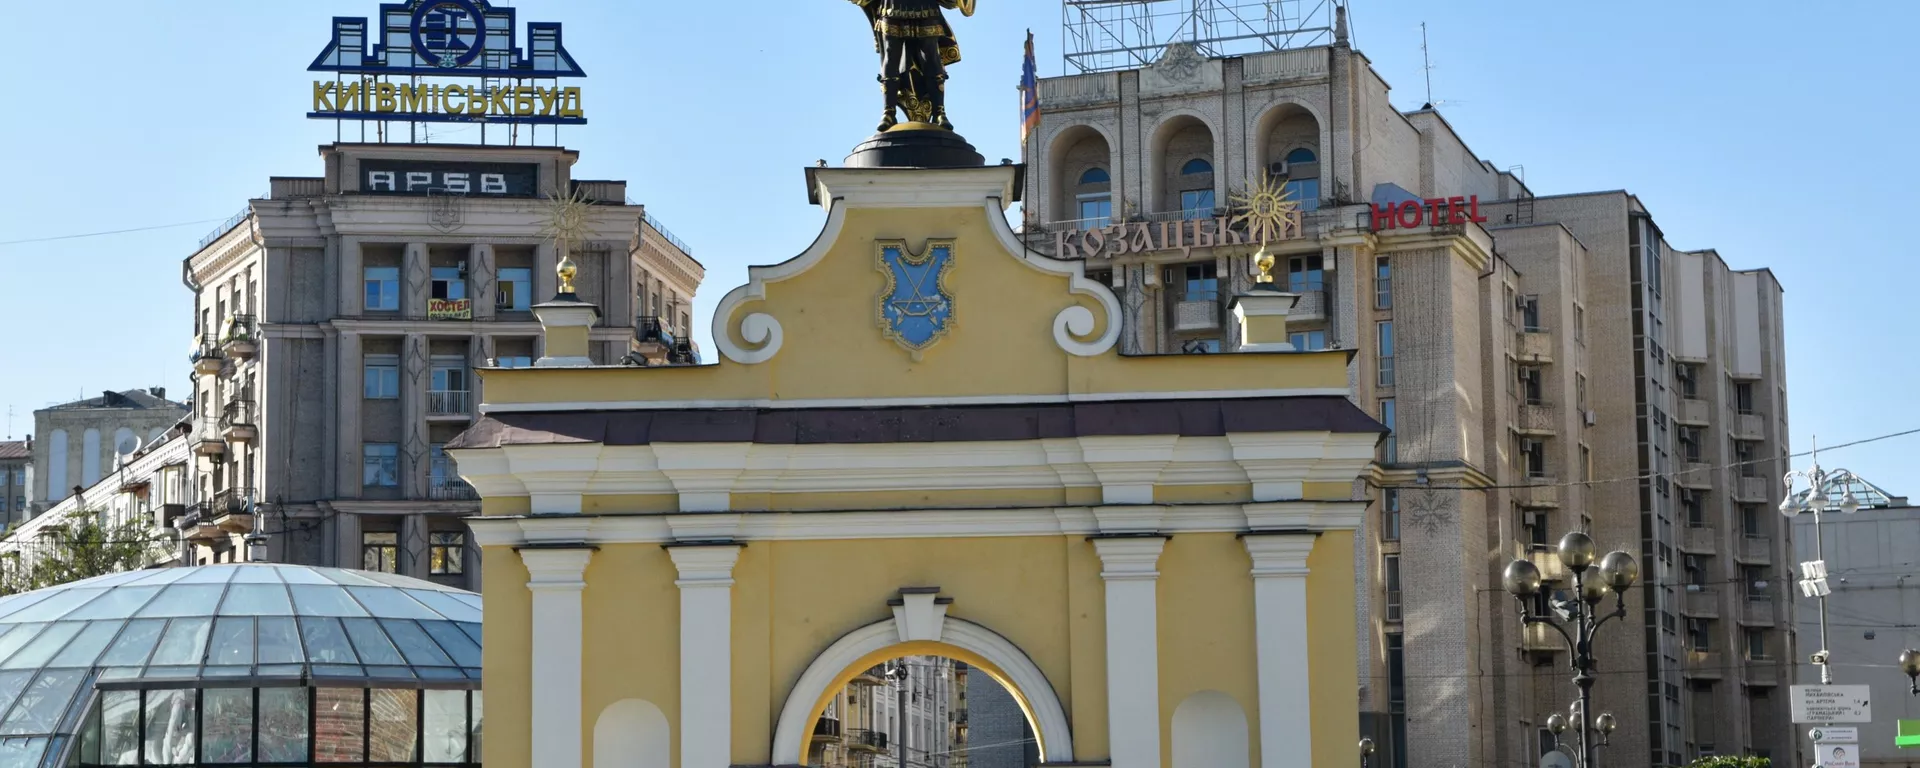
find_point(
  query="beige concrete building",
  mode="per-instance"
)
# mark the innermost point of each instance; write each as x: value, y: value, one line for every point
x: 16, y: 472
x: 77, y: 441
x: 905, y: 713
x: 1535, y: 357
x: 147, y: 486
x: 338, y: 323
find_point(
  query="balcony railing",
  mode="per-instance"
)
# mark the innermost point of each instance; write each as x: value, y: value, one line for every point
x: 207, y: 356
x: 826, y: 728
x: 1756, y: 549
x: 1749, y: 426
x: 1540, y: 638
x: 652, y: 328
x: 1699, y: 539
x: 448, y: 488
x: 1534, y: 345
x: 1693, y: 411
x: 239, y: 337
x: 1547, y: 559
x: 866, y: 740
x: 448, y: 402
x: 1702, y: 602
x: 1695, y: 474
x: 1751, y: 489
x: 1757, y: 610
x: 1541, y: 492
x: 237, y: 421
x: 1538, y: 418
x: 1705, y: 664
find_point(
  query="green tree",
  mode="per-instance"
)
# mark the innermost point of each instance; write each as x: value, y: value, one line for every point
x: 82, y: 548
x: 1731, y: 761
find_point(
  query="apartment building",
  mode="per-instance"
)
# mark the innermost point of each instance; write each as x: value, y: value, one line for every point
x: 1534, y: 356
x: 147, y: 486
x: 906, y: 713
x: 340, y: 319
x: 16, y: 473
x: 79, y: 440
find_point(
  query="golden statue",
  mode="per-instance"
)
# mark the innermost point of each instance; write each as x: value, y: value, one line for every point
x: 916, y: 45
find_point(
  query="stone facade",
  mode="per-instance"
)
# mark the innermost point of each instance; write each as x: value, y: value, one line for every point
x: 1519, y: 351
x: 77, y: 441
x: 334, y: 355
x: 148, y: 485
x: 16, y: 479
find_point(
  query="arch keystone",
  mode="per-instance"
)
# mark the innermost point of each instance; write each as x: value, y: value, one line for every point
x: 920, y: 613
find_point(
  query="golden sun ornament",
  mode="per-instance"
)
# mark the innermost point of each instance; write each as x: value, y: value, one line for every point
x: 1267, y: 211
x: 566, y: 223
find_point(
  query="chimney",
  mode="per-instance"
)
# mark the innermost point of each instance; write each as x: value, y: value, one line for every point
x: 159, y: 392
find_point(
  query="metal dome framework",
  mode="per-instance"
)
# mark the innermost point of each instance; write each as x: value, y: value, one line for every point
x: 241, y: 665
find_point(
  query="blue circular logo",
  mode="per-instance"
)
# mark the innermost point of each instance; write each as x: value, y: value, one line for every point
x: 448, y: 33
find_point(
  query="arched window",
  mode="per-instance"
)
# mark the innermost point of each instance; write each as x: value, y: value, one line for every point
x: 1095, y: 176
x: 1301, y: 155
x: 1301, y: 176
x: 1196, y: 166
x: 1095, y: 199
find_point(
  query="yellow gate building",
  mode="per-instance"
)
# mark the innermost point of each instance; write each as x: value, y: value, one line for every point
x: 920, y: 439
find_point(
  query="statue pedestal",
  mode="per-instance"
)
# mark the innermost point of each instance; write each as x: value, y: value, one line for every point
x: 1262, y: 313
x: 915, y: 145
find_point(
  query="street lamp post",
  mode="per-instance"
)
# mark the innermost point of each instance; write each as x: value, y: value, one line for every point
x: 1617, y: 573
x: 1366, y: 751
x: 1910, y: 664
x: 1813, y: 581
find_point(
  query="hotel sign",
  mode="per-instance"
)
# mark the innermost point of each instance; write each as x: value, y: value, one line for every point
x: 1432, y: 211
x: 1140, y: 237
x: 496, y: 81
x: 450, y: 309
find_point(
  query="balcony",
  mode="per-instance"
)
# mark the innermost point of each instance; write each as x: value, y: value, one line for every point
x: 448, y: 402
x: 826, y: 729
x: 450, y: 488
x: 1752, y: 490
x: 1757, y: 611
x: 197, y: 525
x: 864, y: 740
x: 237, y: 422
x: 207, y: 441
x: 653, y: 339
x: 1537, y: 419
x: 1541, y: 638
x: 1761, y: 672
x: 1757, y: 550
x: 1692, y: 411
x: 239, y: 340
x: 207, y: 356
x: 1695, y: 474
x: 1547, y: 558
x: 872, y: 676
x: 169, y: 513
x: 1705, y: 665
x: 1541, y: 492
x: 1534, y: 345
x: 1199, y: 313
x: 1699, y: 540
x: 232, y: 510
x: 1701, y: 602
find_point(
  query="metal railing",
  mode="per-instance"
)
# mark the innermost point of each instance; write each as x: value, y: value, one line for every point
x: 451, y: 489
x: 228, y: 225
x: 207, y: 349
x: 232, y: 501
x: 668, y: 234
x: 240, y: 327
x: 237, y: 413
x: 866, y: 738
x: 827, y: 727
x: 653, y: 328
x: 448, y: 402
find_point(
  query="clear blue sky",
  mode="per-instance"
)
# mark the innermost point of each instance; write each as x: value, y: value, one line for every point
x: 1780, y: 137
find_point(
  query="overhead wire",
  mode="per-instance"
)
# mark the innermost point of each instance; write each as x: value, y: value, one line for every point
x: 108, y: 232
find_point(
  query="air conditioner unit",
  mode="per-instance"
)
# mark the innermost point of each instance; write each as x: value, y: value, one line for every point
x: 1695, y: 588
x: 1520, y: 302
x: 1592, y: 418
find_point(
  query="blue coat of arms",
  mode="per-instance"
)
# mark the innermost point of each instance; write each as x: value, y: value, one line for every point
x: 915, y: 306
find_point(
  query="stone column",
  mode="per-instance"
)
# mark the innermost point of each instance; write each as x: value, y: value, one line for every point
x: 1133, y: 648
x: 346, y: 540
x: 1280, y: 647
x: 347, y: 417
x: 414, y: 544
x: 353, y: 286
x: 545, y: 282
x: 415, y: 379
x: 416, y: 282
x: 706, y: 660
x: 557, y: 577
x: 482, y: 280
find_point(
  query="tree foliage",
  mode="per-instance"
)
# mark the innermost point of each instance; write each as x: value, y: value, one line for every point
x: 1731, y: 761
x: 80, y: 548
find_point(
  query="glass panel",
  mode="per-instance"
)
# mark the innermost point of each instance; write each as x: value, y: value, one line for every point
x: 183, y: 600
x: 12, y: 604
x: 339, y: 725
x: 396, y: 725
x: 42, y: 704
x: 234, y: 671
x: 279, y: 641
x: 216, y: 575
x: 283, y: 725
x: 326, y: 642
x: 120, y: 673
x: 21, y: 751
x: 349, y: 578
x: 256, y: 600
x: 372, y: 643
x: 184, y: 643
x: 420, y: 649
x: 232, y: 641
x: 176, y: 672
x: 390, y: 603
x: 59, y: 604
x: 36, y: 654
x: 160, y: 576
x: 473, y: 631
x: 478, y: 711
x: 254, y: 574
x: 439, y: 673
x: 11, y: 684
x: 85, y: 649
x: 116, y: 604
x: 395, y: 673
x: 464, y: 651
x: 119, y: 734
x: 226, y: 722
x: 324, y: 601
x: 170, y: 731
x: 339, y: 670
x: 446, y: 605
x: 295, y: 575
x: 281, y: 670
x: 133, y: 645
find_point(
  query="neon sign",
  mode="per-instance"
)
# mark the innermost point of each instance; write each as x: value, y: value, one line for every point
x: 468, y: 39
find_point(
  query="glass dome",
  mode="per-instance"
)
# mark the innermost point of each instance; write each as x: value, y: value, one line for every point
x: 248, y: 664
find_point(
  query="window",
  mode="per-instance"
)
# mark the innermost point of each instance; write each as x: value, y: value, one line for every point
x: 1096, y: 211
x: 449, y: 282
x: 380, y: 552
x: 1391, y: 578
x: 1531, y: 386
x: 514, y: 361
x: 1754, y: 579
x: 1385, y: 329
x: 1699, y: 635
x: 1390, y: 515
x: 1750, y: 518
x: 1530, y: 314
x: 1308, y: 341
x: 1696, y: 511
x: 1743, y: 455
x: 1196, y: 167
x: 1196, y: 204
x: 1305, y: 273
x: 1382, y: 283
x: 1687, y: 377
x: 444, y: 553
x: 1743, y: 396
x: 1696, y: 566
x: 1390, y: 446
x: 1200, y: 281
x: 380, y: 465
x: 1302, y: 171
x: 1690, y: 442
x: 1756, y: 644
x: 447, y: 393
x: 1200, y: 347
x: 383, y: 289
x: 1396, y: 672
x: 381, y: 379
x: 1533, y: 456
x: 1580, y: 324
x: 1095, y: 176
x: 1580, y: 392
x: 515, y: 292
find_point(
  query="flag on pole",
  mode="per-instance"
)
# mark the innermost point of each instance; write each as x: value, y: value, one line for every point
x: 1029, y: 94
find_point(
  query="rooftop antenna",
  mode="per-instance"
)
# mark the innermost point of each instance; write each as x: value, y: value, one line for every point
x: 1426, y: 63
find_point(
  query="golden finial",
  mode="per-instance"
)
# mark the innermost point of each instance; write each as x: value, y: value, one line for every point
x: 1264, y: 261
x: 566, y: 223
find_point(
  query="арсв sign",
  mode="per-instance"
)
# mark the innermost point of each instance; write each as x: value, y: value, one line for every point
x: 446, y: 61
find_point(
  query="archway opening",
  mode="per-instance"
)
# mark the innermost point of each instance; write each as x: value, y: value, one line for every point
x: 1290, y: 152
x: 928, y: 709
x: 1183, y: 168
x: 1082, y: 169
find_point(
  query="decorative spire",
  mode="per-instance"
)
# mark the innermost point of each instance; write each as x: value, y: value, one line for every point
x: 566, y: 223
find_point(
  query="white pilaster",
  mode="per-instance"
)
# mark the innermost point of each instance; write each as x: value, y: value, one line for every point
x: 706, y: 653
x: 1127, y: 565
x: 1280, y: 647
x: 556, y: 576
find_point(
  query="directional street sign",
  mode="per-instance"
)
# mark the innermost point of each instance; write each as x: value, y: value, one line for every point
x: 1835, y: 735
x: 1838, y: 755
x: 1823, y: 704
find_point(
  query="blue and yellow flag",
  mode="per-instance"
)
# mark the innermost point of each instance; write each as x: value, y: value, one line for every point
x: 1029, y: 94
